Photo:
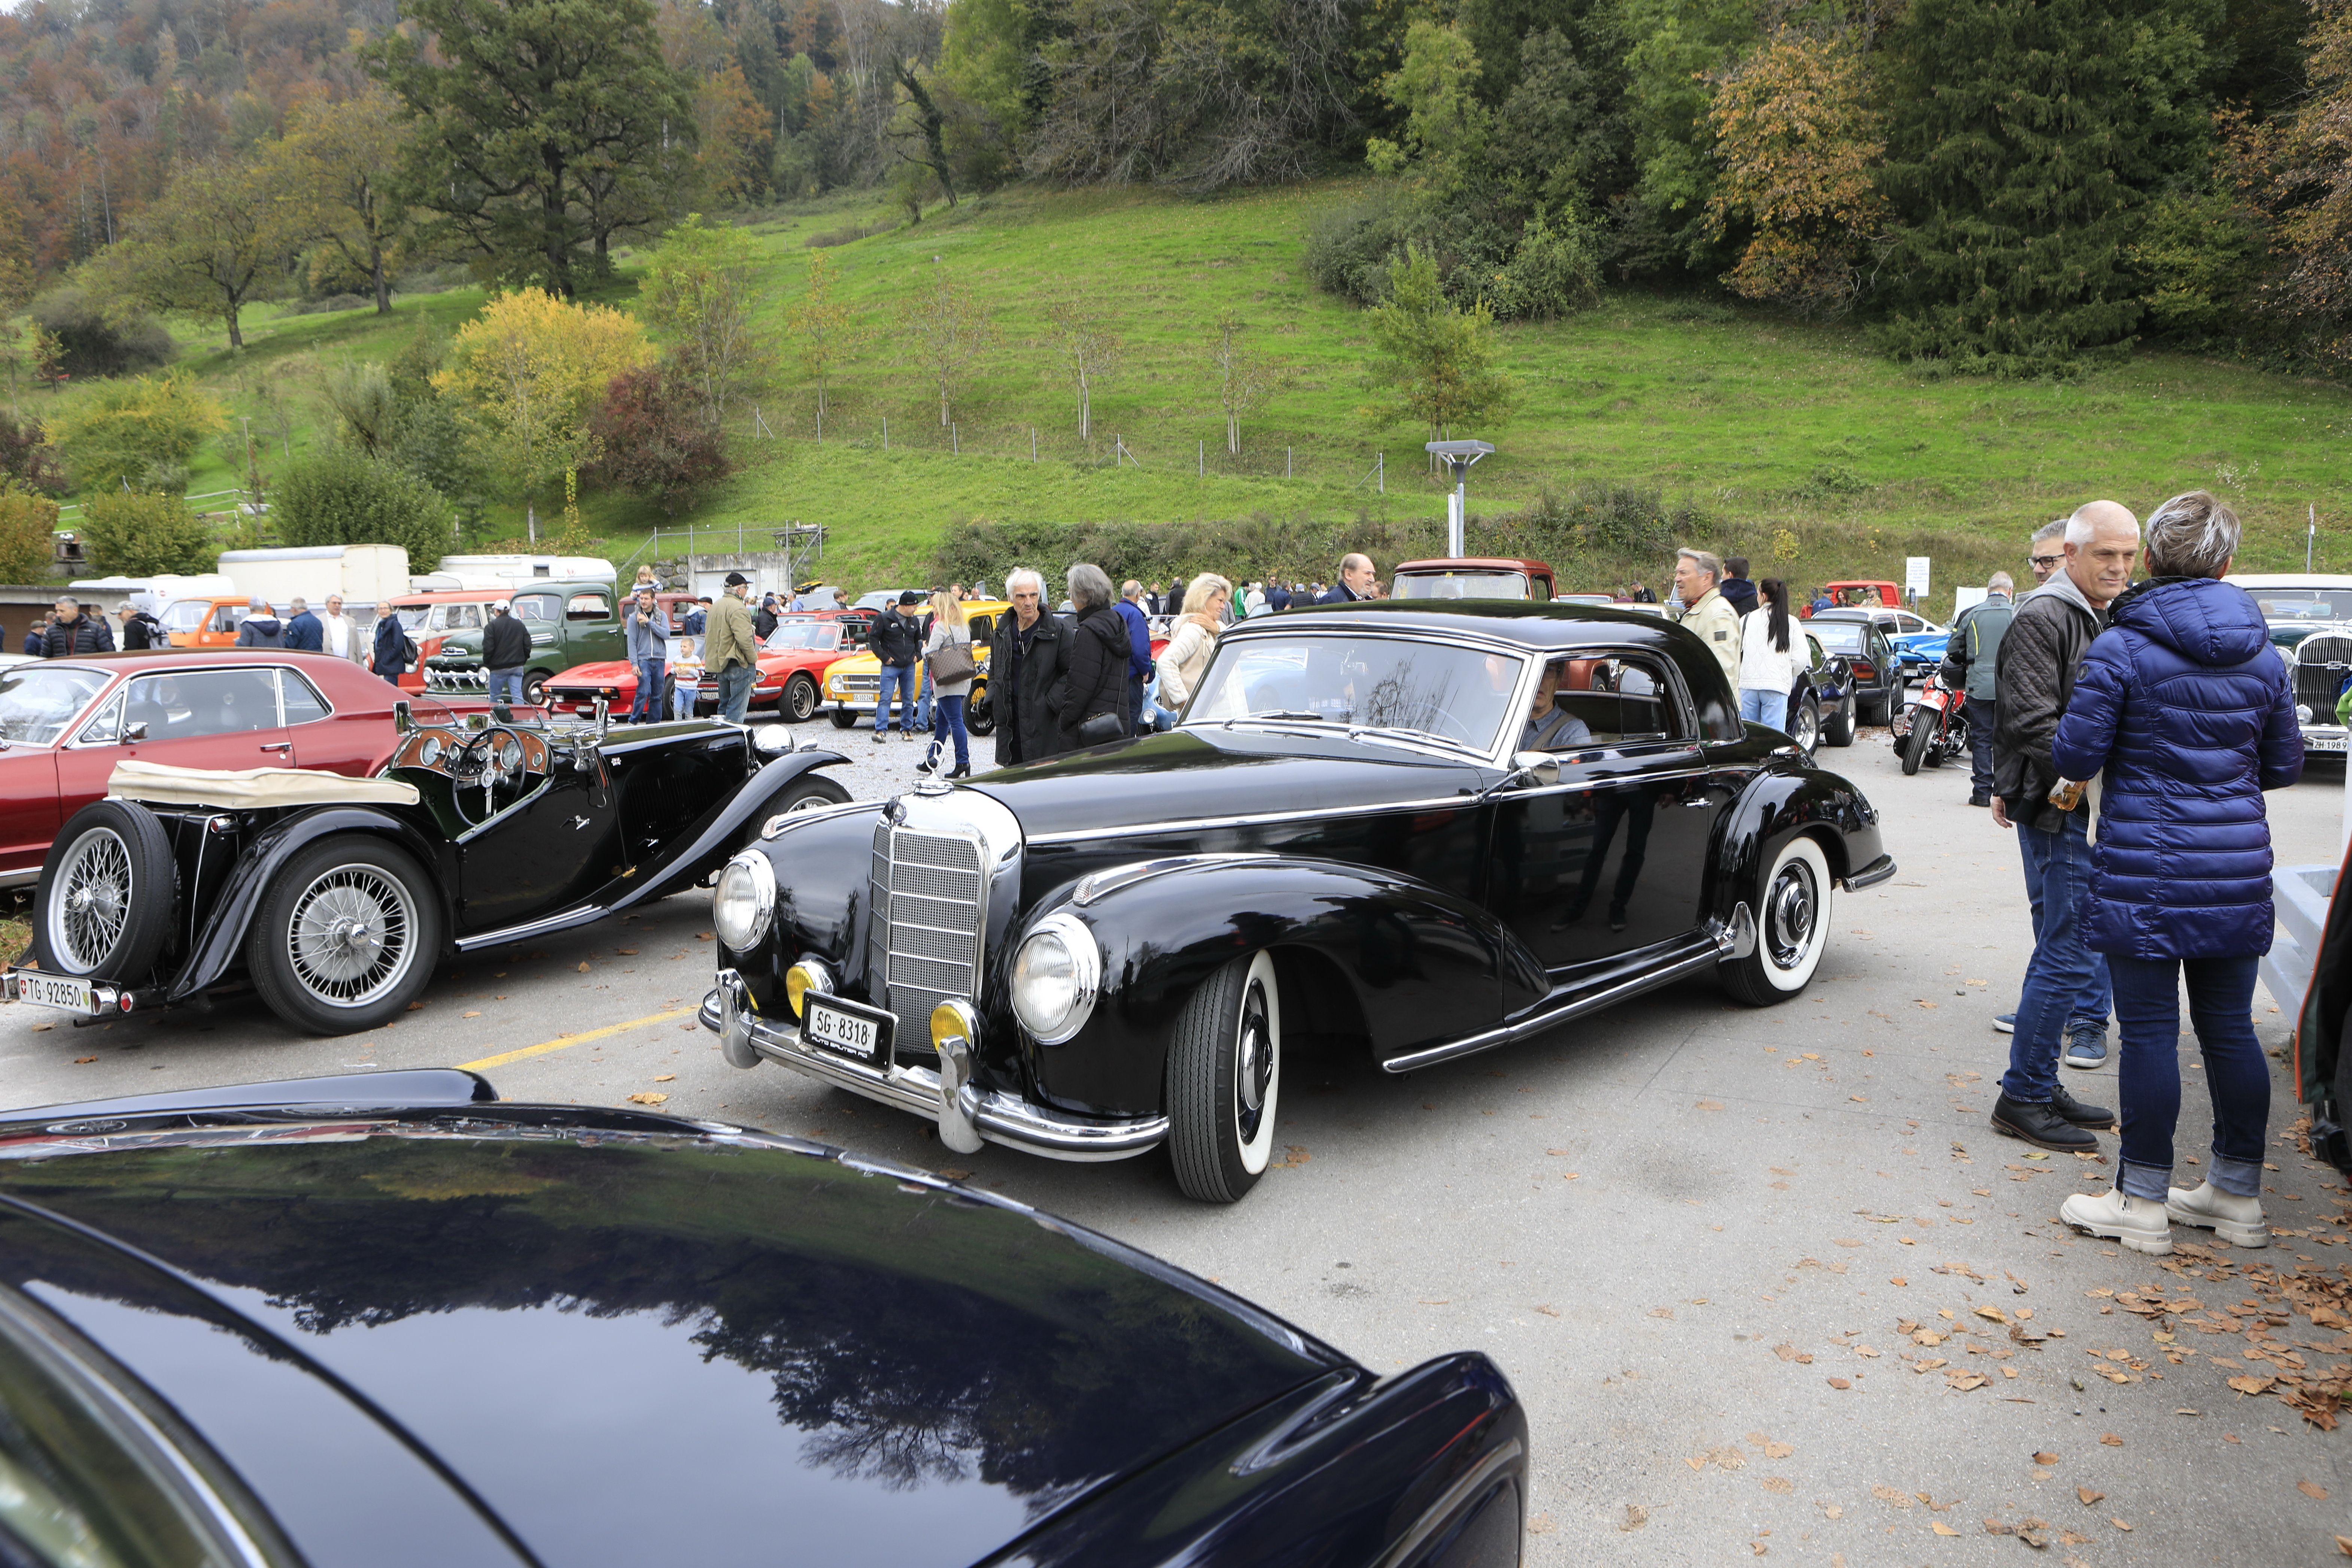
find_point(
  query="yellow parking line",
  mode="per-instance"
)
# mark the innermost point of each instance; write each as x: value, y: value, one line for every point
x: 560, y: 1041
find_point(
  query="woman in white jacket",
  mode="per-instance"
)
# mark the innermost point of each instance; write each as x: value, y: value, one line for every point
x: 1771, y: 651
x: 948, y: 630
x: 1186, y: 657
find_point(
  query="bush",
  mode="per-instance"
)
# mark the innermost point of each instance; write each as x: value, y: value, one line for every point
x: 26, y: 458
x: 1555, y: 271
x: 1349, y: 248
x: 139, y: 533
x: 653, y: 440
x: 139, y: 433
x: 340, y: 496
x: 91, y: 344
x: 28, y: 528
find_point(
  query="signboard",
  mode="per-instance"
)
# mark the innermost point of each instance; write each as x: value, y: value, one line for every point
x: 1966, y: 599
x: 1915, y: 576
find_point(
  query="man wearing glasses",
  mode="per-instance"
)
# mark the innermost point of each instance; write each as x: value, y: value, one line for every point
x: 2047, y: 552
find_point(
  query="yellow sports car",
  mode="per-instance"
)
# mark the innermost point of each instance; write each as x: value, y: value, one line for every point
x: 851, y: 684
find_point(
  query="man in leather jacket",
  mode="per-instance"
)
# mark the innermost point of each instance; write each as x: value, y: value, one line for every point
x: 1028, y: 655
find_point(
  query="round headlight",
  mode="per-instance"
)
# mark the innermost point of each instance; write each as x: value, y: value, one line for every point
x: 2302, y: 712
x: 1056, y: 974
x: 744, y: 901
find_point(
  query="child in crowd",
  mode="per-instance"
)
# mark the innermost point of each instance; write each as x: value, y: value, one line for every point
x: 685, y: 672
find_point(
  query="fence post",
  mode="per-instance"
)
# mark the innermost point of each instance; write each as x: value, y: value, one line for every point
x: 1033, y: 443
x: 1200, y: 460
x: 1381, y: 466
x: 886, y: 432
x: 1285, y: 462
x: 955, y: 440
x: 820, y: 427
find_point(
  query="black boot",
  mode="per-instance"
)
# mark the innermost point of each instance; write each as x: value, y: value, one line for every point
x: 961, y: 771
x: 2041, y: 1125
x: 2079, y: 1114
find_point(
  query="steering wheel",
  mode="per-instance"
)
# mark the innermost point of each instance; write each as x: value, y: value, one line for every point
x: 490, y: 759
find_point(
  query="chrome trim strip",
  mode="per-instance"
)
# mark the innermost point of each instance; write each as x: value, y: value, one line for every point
x: 1464, y: 801
x: 1592, y: 1002
x: 543, y: 926
x: 1870, y: 876
x: 999, y: 1118
x: 1101, y: 884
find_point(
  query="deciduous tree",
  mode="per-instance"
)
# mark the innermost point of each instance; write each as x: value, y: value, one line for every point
x: 28, y: 525
x: 137, y: 433
x: 139, y: 533
x: 945, y: 332
x: 825, y: 330
x: 1086, y: 348
x: 339, y: 495
x: 337, y: 164
x: 1246, y: 378
x: 1434, y: 360
x: 218, y: 239
x: 653, y: 440
x: 2297, y: 169
x: 704, y: 291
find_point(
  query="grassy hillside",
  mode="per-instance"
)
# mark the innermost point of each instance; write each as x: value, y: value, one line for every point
x: 1783, y: 434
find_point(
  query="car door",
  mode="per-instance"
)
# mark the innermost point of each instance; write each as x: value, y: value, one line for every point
x: 40, y: 707
x: 590, y: 628
x: 203, y: 718
x: 541, y: 615
x: 545, y: 854
x: 352, y: 743
x: 1613, y: 858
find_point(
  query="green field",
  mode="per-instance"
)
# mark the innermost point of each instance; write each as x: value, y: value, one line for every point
x: 1784, y: 435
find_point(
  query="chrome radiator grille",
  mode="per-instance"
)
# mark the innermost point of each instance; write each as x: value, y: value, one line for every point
x: 2322, y: 661
x: 860, y: 683
x: 927, y: 893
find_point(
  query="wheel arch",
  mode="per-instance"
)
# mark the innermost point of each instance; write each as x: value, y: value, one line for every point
x: 1780, y: 805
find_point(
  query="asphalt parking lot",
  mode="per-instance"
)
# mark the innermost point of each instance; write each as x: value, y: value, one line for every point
x: 1767, y: 1283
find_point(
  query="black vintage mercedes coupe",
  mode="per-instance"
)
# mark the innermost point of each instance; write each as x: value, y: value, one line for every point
x: 392, y: 1322
x: 1434, y: 830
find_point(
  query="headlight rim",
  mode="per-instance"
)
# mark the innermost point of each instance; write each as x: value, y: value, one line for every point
x: 1077, y: 938
x: 763, y: 891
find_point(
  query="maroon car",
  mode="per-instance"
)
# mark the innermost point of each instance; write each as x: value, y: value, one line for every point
x: 64, y: 723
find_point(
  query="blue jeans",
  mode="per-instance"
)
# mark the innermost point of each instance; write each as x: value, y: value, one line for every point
x: 923, y: 703
x: 1770, y: 708
x: 2221, y: 1009
x: 689, y: 687
x: 1983, y: 713
x: 649, y: 704
x: 902, y: 676
x: 509, y: 681
x: 2061, y: 970
x: 947, y: 714
x: 735, y: 683
x: 2090, y: 1008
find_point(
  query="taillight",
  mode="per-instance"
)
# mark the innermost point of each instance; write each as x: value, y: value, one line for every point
x: 1865, y: 669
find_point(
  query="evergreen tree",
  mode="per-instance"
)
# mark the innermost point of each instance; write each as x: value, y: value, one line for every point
x: 2024, y: 140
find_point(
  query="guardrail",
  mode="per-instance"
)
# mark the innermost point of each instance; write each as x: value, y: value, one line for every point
x: 2301, y: 895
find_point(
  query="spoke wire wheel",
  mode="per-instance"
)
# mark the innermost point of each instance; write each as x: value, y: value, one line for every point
x: 352, y: 935
x: 89, y: 901
x: 1793, y: 916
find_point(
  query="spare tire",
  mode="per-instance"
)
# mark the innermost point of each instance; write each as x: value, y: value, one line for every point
x: 108, y: 890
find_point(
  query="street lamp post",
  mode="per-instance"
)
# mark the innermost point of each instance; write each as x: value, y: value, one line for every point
x: 1458, y: 456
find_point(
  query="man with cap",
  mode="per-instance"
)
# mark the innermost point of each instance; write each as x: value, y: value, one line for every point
x: 141, y: 629
x: 897, y: 642
x: 261, y: 627
x: 731, y: 651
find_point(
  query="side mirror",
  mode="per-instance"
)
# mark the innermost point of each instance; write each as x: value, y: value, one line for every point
x: 403, y: 718
x: 132, y: 733
x: 1535, y: 768
x: 603, y: 712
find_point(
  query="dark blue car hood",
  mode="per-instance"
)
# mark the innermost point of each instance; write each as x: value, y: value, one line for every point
x: 648, y: 1348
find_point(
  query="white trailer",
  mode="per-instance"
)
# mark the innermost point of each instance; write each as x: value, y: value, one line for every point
x: 463, y: 572
x: 362, y: 573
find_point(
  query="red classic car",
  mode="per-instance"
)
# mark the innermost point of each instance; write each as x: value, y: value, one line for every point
x: 64, y: 723
x: 793, y: 662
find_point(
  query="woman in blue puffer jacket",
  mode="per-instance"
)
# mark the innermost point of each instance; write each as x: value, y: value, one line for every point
x: 2184, y: 715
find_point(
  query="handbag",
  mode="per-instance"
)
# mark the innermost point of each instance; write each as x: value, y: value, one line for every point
x: 953, y: 662
x: 1101, y: 729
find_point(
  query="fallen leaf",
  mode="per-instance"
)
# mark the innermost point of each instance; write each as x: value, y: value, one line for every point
x: 2251, y: 1385
x: 475, y: 1014
x: 2312, y: 1490
x: 1710, y: 1105
x: 702, y: 936
x: 2344, y: 1544
x: 1779, y: 1450
x: 2118, y: 1523
x: 1992, y: 1314
x: 664, y: 1077
x: 1549, y: 1311
x: 1559, y: 1154
x: 1839, y: 1383
x: 2088, y: 1496
x: 2111, y: 1439
x: 1940, y: 1528
x: 1779, y: 1484
x: 1791, y: 1352
x: 648, y: 1097
x: 84, y: 1061
x: 626, y: 951
x: 2045, y: 1457
x: 584, y: 966
x: 1898, y: 1280
x: 1889, y: 1495
x: 949, y: 1173
x: 1636, y: 1516
x: 1697, y: 1464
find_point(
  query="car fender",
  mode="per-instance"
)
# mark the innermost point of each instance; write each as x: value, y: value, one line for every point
x: 689, y: 860
x: 1776, y: 806
x: 214, y: 950
x: 1387, y: 958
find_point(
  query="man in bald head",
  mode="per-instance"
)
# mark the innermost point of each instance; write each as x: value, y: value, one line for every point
x: 2036, y: 668
x: 1355, y: 580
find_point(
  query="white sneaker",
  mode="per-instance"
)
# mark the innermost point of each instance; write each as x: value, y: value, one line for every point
x: 2236, y: 1220
x: 2138, y: 1223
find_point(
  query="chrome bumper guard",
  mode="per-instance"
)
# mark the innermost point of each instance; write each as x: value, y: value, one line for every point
x: 965, y: 1113
x: 475, y: 680
x: 1870, y: 876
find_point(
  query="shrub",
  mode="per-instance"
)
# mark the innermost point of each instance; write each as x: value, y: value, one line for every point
x: 652, y: 439
x: 93, y: 344
x: 27, y: 525
x: 139, y: 433
x: 342, y: 496
x: 1555, y: 271
x: 26, y: 458
x: 1349, y: 248
x: 139, y: 533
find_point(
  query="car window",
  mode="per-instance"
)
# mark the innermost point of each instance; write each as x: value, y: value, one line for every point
x: 980, y: 626
x: 303, y: 703
x: 533, y: 607
x: 2304, y: 603
x: 1612, y: 699
x: 1462, y: 585
x: 413, y: 616
x: 1455, y: 694
x: 227, y: 617
x: 199, y: 702
x: 38, y: 700
x: 1813, y: 648
x: 588, y: 608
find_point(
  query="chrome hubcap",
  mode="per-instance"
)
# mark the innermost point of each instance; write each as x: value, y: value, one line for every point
x: 1789, y: 915
x: 88, y: 915
x: 351, y: 937
x: 1254, y: 1061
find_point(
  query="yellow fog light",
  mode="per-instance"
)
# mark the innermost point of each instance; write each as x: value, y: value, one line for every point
x: 804, y: 977
x: 952, y: 1017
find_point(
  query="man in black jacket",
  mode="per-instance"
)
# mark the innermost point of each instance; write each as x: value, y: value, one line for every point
x: 75, y: 631
x: 898, y: 643
x: 1355, y: 580
x: 1027, y: 655
x: 1736, y: 590
x: 2035, y: 665
x: 506, y: 648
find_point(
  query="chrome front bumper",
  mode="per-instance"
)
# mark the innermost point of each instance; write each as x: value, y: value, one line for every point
x: 966, y: 1114
x: 474, y: 679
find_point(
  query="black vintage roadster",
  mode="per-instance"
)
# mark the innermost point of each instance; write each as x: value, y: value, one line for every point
x: 1431, y: 831
x: 335, y: 896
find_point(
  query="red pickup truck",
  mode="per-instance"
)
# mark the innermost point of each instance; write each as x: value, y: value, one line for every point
x: 1472, y: 577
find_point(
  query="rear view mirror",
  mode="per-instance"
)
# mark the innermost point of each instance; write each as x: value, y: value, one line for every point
x: 403, y: 718
x: 133, y: 733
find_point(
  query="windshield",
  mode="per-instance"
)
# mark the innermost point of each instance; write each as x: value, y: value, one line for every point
x: 804, y: 633
x: 37, y: 701
x: 2304, y: 603
x: 1385, y: 683
x: 1462, y: 585
x: 185, y: 615
x: 1839, y: 637
x: 412, y: 616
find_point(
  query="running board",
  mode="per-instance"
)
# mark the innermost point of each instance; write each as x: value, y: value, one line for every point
x: 1722, y: 941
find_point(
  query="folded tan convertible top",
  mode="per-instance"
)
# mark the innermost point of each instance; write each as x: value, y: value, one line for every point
x: 250, y: 789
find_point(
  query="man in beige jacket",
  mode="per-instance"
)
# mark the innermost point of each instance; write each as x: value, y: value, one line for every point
x: 1707, y: 611
x: 729, y: 650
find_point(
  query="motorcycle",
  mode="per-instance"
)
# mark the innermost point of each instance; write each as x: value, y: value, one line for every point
x: 1933, y: 728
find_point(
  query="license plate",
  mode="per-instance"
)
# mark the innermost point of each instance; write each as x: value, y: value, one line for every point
x: 54, y: 991
x: 846, y: 1029
x: 2322, y: 742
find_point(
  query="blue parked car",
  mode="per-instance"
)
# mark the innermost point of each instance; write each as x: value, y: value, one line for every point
x: 1918, y: 642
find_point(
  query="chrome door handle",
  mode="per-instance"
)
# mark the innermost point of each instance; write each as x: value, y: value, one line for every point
x: 279, y: 746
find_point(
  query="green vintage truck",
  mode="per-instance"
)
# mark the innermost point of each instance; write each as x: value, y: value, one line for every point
x: 570, y: 623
